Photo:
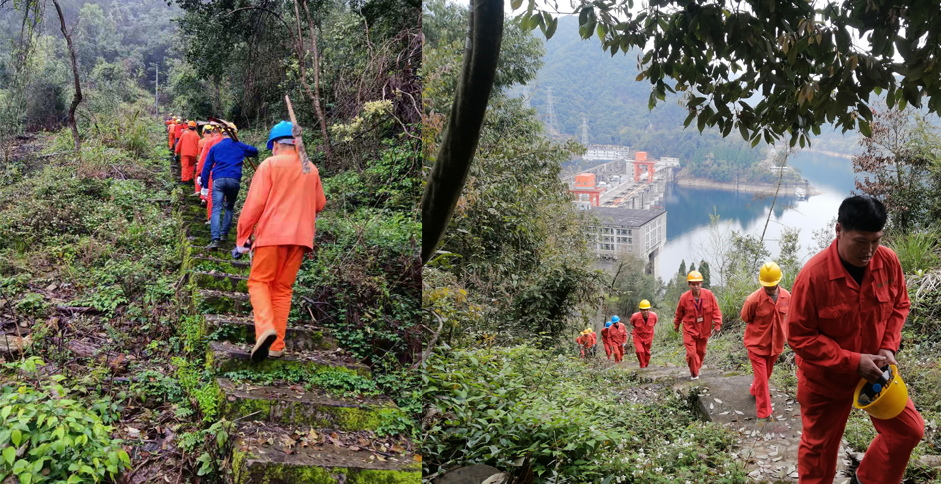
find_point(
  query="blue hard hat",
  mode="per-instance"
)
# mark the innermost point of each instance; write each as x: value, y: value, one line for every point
x: 608, y: 324
x: 615, y: 319
x: 279, y: 131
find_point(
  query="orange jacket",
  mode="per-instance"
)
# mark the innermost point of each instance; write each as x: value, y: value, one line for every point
x: 766, y: 330
x: 833, y: 320
x: 189, y: 143
x: 178, y: 129
x: 617, y: 334
x: 207, y: 143
x: 594, y: 338
x: 643, y: 329
x: 687, y: 313
x: 282, y: 204
x: 584, y: 340
x: 605, y: 337
x: 171, y: 130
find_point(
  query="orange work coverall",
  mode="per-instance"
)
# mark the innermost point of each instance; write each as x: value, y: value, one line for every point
x: 643, y: 336
x: 207, y: 144
x: 171, y: 133
x: 188, y: 149
x: 697, y: 320
x: 281, y: 209
x: 583, y: 342
x: 606, y: 341
x: 764, y: 338
x: 832, y: 321
x: 617, y: 333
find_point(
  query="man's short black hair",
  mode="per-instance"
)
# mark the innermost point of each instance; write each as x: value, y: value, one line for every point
x: 862, y: 212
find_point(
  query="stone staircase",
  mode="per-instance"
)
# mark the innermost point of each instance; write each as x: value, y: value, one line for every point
x: 286, y: 432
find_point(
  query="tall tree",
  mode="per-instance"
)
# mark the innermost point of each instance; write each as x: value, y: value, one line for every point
x: 896, y: 166
x: 77, y: 96
x: 449, y: 173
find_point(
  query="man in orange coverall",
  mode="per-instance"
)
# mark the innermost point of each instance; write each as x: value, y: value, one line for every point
x: 764, y: 313
x: 188, y: 149
x: 606, y: 339
x: 281, y: 209
x: 594, y: 340
x: 848, y: 305
x: 213, y: 136
x: 584, y: 342
x: 697, y: 310
x: 617, y: 334
x: 643, y: 322
x: 171, y: 133
x: 207, y: 134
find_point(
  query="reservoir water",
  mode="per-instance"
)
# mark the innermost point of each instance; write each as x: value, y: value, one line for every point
x: 688, y: 211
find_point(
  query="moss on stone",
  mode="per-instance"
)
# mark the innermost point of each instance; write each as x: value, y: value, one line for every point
x: 272, y: 365
x: 271, y: 473
x: 307, y: 413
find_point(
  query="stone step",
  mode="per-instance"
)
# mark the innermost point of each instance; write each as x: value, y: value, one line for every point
x: 293, y: 405
x: 224, y: 356
x: 241, y: 330
x: 222, y: 263
x: 219, y: 281
x: 209, y: 301
x: 271, y: 454
x: 224, y: 250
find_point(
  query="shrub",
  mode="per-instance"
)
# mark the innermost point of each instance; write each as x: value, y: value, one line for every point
x: 48, y: 437
x: 501, y: 405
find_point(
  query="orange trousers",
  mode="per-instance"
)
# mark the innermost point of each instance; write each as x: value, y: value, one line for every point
x: 762, y: 366
x: 824, y: 418
x: 270, y: 285
x: 208, y: 199
x: 607, y: 349
x: 618, y: 351
x: 695, y: 352
x: 188, y: 168
x: 642, y: 349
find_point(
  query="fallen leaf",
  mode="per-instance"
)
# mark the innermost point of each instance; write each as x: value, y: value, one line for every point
x: 354, y: 448
x: 133, y: 433
x: 417, y: 457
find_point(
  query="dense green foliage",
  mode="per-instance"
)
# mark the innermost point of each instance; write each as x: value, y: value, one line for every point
x: 50, y: 437
x: 798, y: 56
x: 516, y: 250
x: 572, y: 422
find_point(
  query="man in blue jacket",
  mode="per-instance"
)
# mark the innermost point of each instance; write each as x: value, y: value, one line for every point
x: 224, y: 161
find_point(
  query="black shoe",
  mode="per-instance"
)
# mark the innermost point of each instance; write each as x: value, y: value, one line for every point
x: 854, y: 479
x: 262, y: 345
x: 213, y: 245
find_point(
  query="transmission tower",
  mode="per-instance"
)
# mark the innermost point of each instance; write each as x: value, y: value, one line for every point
x: 552, y: 124
x: 584, y: 131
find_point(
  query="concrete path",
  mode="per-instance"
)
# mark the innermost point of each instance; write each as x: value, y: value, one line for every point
x: 768, y: 449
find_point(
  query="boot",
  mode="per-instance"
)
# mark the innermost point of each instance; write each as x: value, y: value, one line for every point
x: 213, y: 245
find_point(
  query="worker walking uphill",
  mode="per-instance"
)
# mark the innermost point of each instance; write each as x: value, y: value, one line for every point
x: 617, y: 333
x: 188, y: 149
x: 281, y: 210
x: 643, y: 322
x: 764, y: 313
x: 584, y: 342
x: 205, y: 185
x: 606, y: 339
x: 698, y: 310
x: 848, y: 306
x: 224, y: 163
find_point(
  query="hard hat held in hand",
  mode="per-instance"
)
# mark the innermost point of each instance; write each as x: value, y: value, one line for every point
x: 769, y: 275
x: 889, y: 403
x: 645, y: 304
x: 694, y: 276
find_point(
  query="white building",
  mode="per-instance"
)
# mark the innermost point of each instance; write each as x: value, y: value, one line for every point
x: 642, y: 233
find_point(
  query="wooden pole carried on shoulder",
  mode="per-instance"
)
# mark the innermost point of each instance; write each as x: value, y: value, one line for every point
x: 298, y: 140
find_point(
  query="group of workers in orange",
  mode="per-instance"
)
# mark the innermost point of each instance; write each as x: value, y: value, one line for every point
x: 843, y: 321
x: 277, y: 223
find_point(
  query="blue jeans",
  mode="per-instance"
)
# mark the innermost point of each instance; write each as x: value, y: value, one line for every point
x: 223, y: 190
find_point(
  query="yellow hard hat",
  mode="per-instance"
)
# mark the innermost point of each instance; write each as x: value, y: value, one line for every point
x: 770, y: 274
x: 645, y: 304
x: 694, y: 276
x: 889, y: 403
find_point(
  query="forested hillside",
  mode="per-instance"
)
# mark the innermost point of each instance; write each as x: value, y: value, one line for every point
x: 128, y: 324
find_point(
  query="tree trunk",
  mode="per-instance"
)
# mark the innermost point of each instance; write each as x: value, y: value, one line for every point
x: 77, y: 98
x: 462, y: 134
x: 313, y: 94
